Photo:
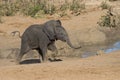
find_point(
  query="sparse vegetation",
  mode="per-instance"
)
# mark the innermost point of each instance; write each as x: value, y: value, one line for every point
x: 76, y: 7
x: 113, y: 0
x: 104, y: 5
x: 118, y: 22
x: 37, y: 7
x: 109, y: 20
x: 0, y: 54
x: 63, y: 8
x: 105, y: 21
x: 0, y: 19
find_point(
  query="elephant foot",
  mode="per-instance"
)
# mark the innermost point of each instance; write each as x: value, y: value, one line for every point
x: 54, y: 59
x: 17, y: 62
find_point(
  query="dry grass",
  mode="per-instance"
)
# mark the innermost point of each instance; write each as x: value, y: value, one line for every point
x: 38, y: 7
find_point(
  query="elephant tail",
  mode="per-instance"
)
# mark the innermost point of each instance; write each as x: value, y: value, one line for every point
x: 14, y: 32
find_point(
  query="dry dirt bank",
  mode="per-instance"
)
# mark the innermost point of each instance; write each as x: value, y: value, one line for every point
x: 104, y: 67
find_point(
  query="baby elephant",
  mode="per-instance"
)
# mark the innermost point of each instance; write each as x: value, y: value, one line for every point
x: 42, y: 37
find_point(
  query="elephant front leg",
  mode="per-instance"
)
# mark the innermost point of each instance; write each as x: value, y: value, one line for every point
x: 54, y: 50
x: 43, y: 52
x: 54, y: 54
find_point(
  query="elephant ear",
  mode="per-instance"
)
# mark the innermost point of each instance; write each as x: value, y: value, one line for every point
x: 49, y: 29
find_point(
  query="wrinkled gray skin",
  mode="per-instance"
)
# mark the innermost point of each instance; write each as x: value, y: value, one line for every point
x: 42, y: 37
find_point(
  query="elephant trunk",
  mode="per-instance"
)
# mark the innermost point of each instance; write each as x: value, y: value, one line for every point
x: 70, y: 44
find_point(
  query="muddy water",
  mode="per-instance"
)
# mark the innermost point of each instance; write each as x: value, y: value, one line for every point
x: 114, y: 47
x: 105, y: 48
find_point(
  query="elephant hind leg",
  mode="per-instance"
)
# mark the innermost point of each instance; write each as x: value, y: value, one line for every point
x: 19, y: 57
x: 21, y: 54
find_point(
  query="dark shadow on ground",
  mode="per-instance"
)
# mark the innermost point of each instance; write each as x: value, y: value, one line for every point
x: 31, y: 61
x: 34, y: 61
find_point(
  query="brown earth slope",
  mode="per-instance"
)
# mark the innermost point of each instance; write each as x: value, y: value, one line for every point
x: 104, y: 67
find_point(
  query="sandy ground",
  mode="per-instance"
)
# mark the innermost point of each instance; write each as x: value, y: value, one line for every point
x: 101, y: 67
x: 104, y: 67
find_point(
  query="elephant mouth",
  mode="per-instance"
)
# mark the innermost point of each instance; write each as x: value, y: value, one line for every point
x: 64, y: 40
x: 61, y: 38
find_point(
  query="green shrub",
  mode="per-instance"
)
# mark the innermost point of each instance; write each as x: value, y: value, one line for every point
x: 50, y: 9
x: 108, y: 20
x: 105, y: 21
x: 32, y: 11
x: 21, y: 6
x: 118, y: 24
x: 104, y: 5
x: 7, y: 9
x: 32, y: 8
x: 113, y: 0
x: 65, y: 6
x: 1, y: 20
x: 76, y: 6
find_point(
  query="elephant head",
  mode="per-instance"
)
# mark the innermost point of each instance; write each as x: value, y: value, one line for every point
x: 55, y: 31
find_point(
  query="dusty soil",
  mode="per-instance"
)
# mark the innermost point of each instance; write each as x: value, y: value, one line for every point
x: 104, y: 67
x: 81, y: 29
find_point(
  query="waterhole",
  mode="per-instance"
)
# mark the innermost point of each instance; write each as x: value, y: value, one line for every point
x: 98, y: 49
